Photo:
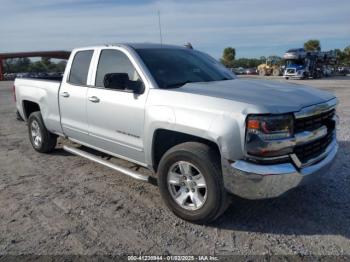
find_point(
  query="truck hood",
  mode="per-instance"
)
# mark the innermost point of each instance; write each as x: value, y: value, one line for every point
x: 275, y: 96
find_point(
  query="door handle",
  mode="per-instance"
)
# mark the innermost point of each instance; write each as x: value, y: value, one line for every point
x: 65, y: 94
x: 94, y: 99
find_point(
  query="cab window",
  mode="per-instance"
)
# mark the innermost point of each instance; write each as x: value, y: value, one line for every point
x: 80, y: 67
x: 114, y: 61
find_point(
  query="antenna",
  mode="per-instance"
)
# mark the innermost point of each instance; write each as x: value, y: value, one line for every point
x: 160, y: 29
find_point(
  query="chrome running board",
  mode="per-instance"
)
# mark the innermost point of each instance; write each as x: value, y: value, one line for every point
x: 115, y: 167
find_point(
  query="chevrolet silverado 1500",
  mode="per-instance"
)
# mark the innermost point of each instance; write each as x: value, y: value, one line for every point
x: 181, y: 114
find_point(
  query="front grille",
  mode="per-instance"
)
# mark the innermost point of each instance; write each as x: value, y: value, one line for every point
x: 316, y: 121
x: 311, y: 150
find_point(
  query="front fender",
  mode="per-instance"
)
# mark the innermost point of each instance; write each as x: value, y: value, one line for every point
x: 224, y: 129
x: 156, y: 117
x: 228, y: 131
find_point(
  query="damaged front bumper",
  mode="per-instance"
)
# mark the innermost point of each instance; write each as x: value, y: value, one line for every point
x: 257, y: 181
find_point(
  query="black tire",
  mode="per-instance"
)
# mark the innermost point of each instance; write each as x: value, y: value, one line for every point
x: 208, y: 162
x: 48, y: 140
x: 262, y: 72
x: 18, y: 116
x: 276, y: 72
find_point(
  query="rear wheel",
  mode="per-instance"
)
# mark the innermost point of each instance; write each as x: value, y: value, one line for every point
x: 41, y: 139
x: 191, y: 183
x: 262, y: 72
x: 276, y: 72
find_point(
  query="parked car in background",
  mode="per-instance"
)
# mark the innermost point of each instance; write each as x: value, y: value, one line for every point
x: 342, y: 70
x: 9, y: 76
x: 41, y: 75
x: 250, y: 71
x: 296, y: 53
x: 327, y: 71
x: 238, y: 70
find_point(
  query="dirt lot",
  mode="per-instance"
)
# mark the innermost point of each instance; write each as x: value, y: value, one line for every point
x: 62, y: 204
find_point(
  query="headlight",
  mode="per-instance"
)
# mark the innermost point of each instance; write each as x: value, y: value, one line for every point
x: 264, y: 134
x: 271, y: 127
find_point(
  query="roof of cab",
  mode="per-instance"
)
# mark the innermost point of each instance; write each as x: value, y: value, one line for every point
x: 133, y: 46
x: 151, y: 45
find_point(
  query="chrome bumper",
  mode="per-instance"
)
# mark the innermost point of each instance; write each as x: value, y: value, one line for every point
x: 292, y: 76
x: 253, y: 181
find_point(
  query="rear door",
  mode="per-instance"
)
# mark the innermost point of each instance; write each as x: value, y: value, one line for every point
x: 116, y: 117
x: 72, y: 96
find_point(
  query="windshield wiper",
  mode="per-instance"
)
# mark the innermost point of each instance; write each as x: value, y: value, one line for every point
x: 178, y: 84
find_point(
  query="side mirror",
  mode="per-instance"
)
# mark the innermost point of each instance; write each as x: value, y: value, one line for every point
x: 116, y: 80
x: 121, y: 81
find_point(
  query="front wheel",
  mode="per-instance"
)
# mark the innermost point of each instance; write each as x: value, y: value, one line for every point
x: 191, y: 183
x: 262, y: 72
x: 276, y: 72
x: 41, y: 139
x: 18, y: 116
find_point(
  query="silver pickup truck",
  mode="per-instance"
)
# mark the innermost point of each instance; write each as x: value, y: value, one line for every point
x: 179, y: 113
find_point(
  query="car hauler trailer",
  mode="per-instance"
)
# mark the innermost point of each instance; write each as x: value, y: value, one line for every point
x: 303, y: 64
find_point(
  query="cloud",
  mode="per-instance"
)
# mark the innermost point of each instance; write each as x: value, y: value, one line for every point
x: 254, y: 27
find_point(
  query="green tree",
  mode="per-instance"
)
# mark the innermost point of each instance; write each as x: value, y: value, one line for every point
x: 8, y: 65
x: 346, y: 56
x: 228, y: 56
x: 246, y: 62
x: 17, y: 65
x: 23, y: 65
x: 343, y: 56
x: 347, y: 53
x: 46, y: 61
x: 37, y: 67
x: 312, y: 45
x: 340, y: 56
x: 60, y: 66
x: 262, y: 59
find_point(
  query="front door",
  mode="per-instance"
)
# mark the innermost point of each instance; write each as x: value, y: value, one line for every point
x: 116, y: 117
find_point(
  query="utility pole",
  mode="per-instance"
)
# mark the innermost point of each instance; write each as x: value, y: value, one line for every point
x: 160, y: 29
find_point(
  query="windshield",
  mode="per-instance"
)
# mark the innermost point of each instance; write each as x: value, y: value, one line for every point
x: 173, y: 68
x: 294, y: 62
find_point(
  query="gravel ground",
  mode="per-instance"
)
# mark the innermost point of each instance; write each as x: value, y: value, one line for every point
x: 62, y: 204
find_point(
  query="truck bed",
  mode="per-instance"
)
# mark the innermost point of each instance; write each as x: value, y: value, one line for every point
x: 51, y: 78
x: 44, y: 93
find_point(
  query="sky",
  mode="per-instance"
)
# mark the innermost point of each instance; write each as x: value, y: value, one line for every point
x: 254, y: 27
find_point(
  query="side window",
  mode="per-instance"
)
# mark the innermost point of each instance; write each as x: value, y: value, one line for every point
x: 80, y: 67
x: 114, y: 61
